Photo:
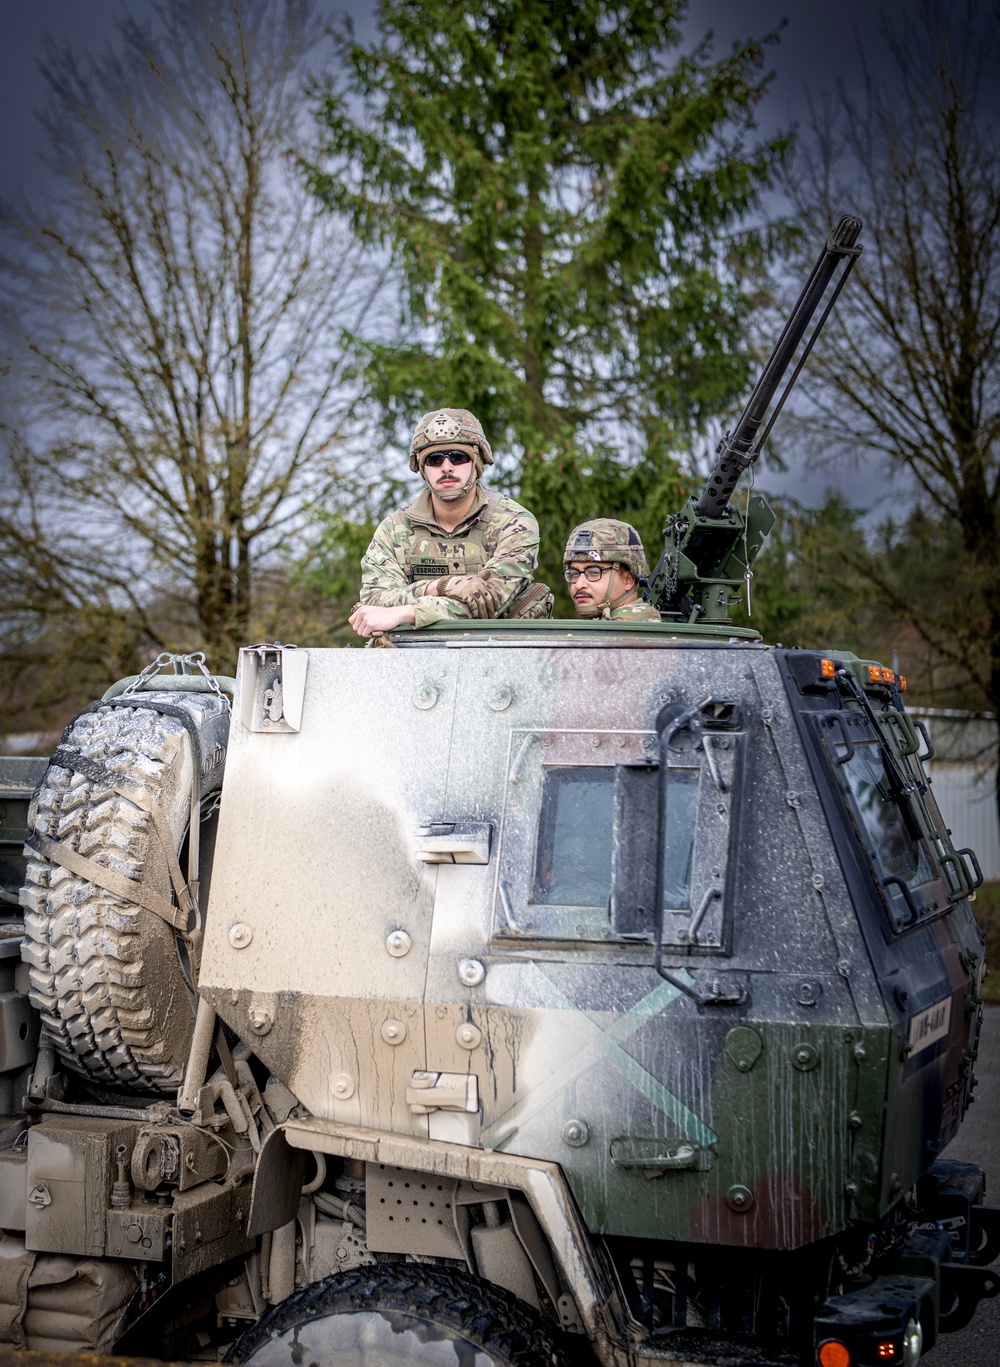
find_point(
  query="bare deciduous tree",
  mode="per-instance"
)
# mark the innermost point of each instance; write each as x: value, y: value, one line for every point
x: 909, y: 370
x: 175, y: 394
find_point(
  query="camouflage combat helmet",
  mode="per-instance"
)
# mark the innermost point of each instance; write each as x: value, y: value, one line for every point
x: 605, y: 538
x: 443, y: 429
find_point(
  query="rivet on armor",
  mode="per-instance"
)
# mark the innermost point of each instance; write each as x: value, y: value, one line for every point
x: 398, y: 943
x: 808, y: 993
x: 393, y: 1031
x: 469, y: 1036
x: 343, y: 1085
x: 740, y: 1199
x: 804, y: 1057
x: 501, y: 699
x: 576, y: 1133
x: 471, y: 972
x: 260, y: 1019
x: 425, y: 697
x: 240, y: 935
x: 744, y: 1045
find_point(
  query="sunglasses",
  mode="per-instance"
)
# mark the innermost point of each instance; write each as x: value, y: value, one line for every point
x: 438, y: 458
x: 591, y: 572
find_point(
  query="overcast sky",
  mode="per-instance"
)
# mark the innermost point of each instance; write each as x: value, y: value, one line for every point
x: 818, y: 45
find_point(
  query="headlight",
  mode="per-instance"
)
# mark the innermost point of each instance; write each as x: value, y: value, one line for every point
x: 913, y: 1343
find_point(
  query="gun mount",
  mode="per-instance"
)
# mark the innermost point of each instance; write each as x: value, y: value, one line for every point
x: 710, y: 543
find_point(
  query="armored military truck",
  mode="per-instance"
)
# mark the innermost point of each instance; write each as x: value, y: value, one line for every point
x: 529, y: 992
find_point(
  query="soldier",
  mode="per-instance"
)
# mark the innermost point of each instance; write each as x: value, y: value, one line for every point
x: 604, y: 562
x: 457, y: 550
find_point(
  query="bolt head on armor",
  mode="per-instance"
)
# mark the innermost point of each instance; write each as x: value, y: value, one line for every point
x: 446, y: 428
x: 607, y: 539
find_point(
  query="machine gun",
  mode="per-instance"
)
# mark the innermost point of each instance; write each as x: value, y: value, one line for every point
x: 710, y: 543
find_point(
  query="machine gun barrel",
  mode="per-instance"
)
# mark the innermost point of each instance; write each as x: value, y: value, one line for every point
x: 737, y: 450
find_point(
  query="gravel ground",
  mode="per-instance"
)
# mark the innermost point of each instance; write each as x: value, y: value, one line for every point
x: 978, y: 1141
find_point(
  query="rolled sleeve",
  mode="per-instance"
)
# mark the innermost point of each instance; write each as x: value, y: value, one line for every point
x: 431, y: 610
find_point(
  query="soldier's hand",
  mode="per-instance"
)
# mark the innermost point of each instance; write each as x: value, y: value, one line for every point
x: 366, y: 620
x: 482, y: 596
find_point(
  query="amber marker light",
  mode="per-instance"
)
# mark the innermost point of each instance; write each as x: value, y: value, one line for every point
x: 874, y: 676
x: 827, y: 669
x: 886, y: 1351
x: 833, y: 1353
x: 902, y: 683
x: 888, y: 676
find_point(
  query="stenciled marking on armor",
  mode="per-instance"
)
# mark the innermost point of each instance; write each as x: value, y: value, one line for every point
x: 604, y: 1046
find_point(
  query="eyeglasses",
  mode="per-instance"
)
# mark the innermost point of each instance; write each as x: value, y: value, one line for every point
x: 592, y: 573
x: 438, y: 458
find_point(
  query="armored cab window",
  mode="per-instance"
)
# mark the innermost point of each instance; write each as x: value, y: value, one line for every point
x: 579, y: 841
x: 896, y: 817
x: 589, y: 814
x: 573, y: 857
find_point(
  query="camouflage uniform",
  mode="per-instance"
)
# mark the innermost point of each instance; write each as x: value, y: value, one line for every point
x: 616, y: 543
x: 410, y: 550
x: 632, y: 612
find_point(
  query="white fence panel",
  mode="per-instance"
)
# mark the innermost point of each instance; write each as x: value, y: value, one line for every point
x: 963, y: 774
x: 967, y: 799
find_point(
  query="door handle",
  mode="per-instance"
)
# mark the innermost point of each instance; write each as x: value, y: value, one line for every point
x: 454, y: 842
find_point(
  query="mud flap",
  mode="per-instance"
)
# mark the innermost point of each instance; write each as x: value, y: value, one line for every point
x: 277, y: 1184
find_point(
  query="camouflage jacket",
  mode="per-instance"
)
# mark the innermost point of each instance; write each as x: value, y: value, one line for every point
x: 632, y: 612
x: 411, y: 549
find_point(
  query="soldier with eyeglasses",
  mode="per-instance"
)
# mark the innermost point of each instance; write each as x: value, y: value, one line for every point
x: 604, y: 562
x: 458, y: 550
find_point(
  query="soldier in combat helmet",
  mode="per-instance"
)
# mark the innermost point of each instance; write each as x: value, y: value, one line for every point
x: 457, y: 550
x: 604, y: 562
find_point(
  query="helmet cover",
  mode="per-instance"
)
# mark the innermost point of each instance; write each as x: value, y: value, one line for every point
x: 444, y: 429
x: 607, y: 539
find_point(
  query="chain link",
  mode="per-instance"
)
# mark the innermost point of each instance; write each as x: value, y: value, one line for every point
x: 161, y: 662
x: 747, y: 572
x: 196, y: 660
x: 673, y: 569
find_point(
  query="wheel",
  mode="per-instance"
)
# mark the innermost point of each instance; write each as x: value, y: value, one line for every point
x: 397, y: 1314
x: 111, y: 978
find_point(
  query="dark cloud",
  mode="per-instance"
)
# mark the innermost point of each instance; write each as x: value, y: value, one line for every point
x: 818, y: 45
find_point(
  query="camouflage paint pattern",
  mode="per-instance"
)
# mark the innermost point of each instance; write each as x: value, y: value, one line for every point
x: 769, y: 1123
x: 506, y: 545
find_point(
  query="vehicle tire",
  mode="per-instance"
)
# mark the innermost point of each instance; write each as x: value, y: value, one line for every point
x: 110, y: 977
x: 401, y: 1313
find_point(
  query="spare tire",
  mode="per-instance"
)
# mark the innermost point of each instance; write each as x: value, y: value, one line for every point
x: 110, y: 977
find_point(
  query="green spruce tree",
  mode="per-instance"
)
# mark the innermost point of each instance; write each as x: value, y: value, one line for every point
x: 565, y: 199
